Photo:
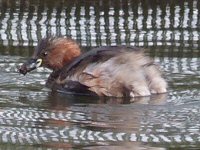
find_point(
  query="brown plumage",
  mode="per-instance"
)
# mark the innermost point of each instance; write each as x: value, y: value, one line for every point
x: 106, y: 71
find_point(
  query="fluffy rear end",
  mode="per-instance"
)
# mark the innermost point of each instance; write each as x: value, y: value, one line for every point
x: 128, y: 74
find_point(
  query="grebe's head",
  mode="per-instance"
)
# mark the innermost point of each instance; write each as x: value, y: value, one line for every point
x: 52, y: 53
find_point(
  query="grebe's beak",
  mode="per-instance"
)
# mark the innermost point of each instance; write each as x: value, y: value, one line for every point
x: 30, y: 65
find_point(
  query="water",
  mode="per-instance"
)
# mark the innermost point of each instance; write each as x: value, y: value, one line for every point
x: 33, y: 117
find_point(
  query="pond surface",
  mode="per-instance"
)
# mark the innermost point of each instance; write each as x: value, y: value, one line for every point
x: 33, y: 117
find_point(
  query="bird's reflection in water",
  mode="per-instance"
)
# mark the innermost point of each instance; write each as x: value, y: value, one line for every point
x: 60, y: 100
x: 99, y: 114
x: 104, y: 113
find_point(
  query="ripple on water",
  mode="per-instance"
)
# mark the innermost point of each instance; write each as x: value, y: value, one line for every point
x: 99, y: 124
x: 30, y: 114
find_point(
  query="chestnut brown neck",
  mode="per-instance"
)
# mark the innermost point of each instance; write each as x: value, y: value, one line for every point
x: 63, y: 52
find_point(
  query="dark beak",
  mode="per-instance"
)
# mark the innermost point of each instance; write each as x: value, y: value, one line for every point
x: 30, y: 65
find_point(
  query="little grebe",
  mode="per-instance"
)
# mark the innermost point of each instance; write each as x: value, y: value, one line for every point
x: 106, y: 71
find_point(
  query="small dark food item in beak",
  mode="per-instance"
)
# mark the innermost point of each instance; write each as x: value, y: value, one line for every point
x: 23, y: 69
x: 30, y: 65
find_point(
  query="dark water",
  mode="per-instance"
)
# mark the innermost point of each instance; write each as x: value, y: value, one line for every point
x: 32, y: 117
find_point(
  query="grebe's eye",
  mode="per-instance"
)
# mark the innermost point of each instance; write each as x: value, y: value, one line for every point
x: 44, y: 54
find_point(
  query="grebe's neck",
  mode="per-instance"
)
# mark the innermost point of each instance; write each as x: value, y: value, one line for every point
x: 64, y: 51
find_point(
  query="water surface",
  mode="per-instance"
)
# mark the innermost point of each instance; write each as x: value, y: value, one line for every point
x: 33, y: 117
